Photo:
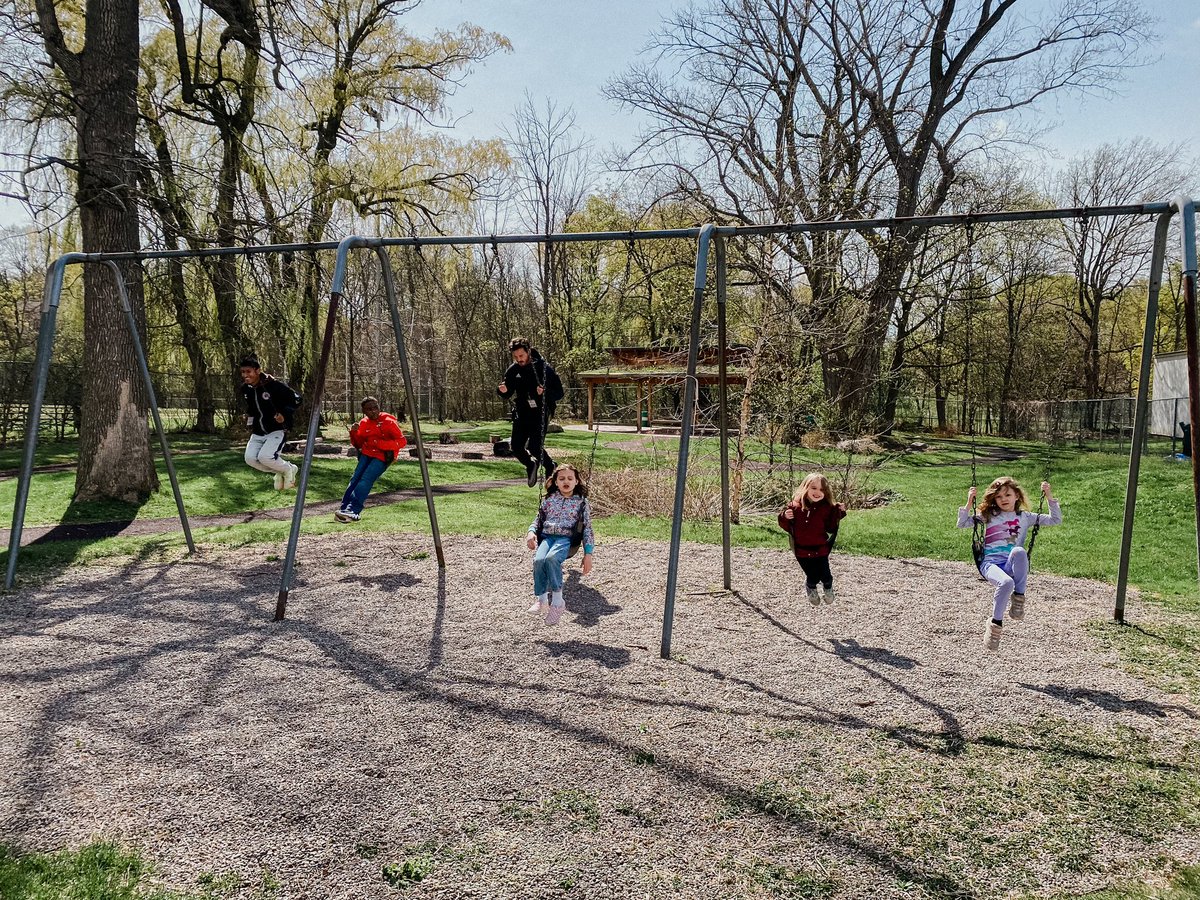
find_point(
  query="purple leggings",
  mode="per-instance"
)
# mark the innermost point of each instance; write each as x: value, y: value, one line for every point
x: 1008, y: 578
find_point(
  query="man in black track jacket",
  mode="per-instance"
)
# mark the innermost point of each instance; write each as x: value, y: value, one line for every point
x: 270, y: 407
x: 534, y: 389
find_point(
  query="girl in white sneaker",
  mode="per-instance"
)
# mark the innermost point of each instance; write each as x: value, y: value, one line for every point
x: 563, y: 521
x: 1006, y: 519
x: 811, y: 521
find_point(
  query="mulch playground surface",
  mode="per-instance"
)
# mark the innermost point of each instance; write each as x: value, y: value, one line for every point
x: 414, y: 732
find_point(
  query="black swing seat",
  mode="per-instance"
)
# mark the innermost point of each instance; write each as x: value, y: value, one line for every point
x: 576, y: 536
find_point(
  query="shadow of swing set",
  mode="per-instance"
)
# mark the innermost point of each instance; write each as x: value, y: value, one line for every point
x: 708, y: 238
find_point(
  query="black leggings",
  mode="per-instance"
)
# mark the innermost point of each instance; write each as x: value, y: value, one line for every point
x: 527, y: 440
x: 816, y: 568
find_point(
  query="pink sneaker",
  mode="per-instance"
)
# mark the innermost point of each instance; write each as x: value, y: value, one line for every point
x: 540, y: 607
x: 556, y: 613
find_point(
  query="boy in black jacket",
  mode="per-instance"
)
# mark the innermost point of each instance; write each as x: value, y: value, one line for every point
x: 270, y: 406
x: 535, y: 389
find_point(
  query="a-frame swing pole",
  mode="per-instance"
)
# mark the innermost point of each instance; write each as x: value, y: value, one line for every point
x: 1187, y: 221
x: 389, y: 284
x: 723, y: 396
x: 314, y: 420
x: 1158, y: 255
x: 144, y: 368
x: 41, y: 372
x: 685, y: 434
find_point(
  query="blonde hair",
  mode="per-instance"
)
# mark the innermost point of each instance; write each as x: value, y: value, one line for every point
x: 800, y: 498
x: 581, y: 489
x: 988, y: 506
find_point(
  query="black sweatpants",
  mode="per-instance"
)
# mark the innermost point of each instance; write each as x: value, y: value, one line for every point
x: 816, y: 568
x: 527, y: 440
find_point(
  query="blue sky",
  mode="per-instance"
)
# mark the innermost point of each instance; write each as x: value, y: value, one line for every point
x: 566, y: 50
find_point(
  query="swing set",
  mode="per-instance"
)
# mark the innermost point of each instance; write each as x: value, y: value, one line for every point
x: 707, y: 238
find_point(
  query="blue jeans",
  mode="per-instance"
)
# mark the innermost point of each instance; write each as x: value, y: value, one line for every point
x: 547, y: 564
x: 365, y: 473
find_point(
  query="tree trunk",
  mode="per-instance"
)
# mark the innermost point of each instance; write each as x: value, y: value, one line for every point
x: 190, y: 336
x: 114, y: 445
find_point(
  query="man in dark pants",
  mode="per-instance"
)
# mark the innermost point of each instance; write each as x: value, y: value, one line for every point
x: 534, y: 389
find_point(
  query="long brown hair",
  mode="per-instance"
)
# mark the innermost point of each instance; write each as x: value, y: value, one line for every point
x: 800, y: 498
x: 988, y: 507
x: 580, y: 485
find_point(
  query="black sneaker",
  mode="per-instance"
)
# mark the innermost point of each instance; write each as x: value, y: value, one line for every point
x: 533, y: 476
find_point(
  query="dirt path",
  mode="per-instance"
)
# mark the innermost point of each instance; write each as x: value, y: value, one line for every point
x: 417, y: 729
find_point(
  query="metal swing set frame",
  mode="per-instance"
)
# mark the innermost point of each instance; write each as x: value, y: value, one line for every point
x: 708, y: 238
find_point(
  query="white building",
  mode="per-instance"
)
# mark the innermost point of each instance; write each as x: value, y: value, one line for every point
x: 1169, y: 395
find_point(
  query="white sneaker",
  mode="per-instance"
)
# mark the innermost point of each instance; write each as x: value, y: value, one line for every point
x: 813, y: 597
x: 279, y: 481
x: 540, y: 607
x: 830, y: 596
x: 342, y: 515
x: 289, y: 479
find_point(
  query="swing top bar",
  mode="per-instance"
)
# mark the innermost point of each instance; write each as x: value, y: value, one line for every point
x: 624, y: 236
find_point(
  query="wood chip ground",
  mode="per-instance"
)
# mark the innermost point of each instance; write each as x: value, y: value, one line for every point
x: 414, y: 733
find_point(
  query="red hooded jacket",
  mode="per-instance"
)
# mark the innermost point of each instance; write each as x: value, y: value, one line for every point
x: 812, y: 530
x: 379, y: 438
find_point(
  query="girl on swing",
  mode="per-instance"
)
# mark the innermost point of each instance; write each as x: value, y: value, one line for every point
x: 811, y: 521
x: 1005, y: 518
x: 563, y: 522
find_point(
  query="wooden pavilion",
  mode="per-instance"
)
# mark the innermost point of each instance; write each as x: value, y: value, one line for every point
x: 650, y: 369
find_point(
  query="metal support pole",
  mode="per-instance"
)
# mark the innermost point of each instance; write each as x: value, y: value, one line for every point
x: 1187, y: 215
x: 144, y: 368
x: 314, y: 421
x: 389, y: 285
x: 1140, y: 409
x: 41, y: 371
x: 723, y: 391
x: 685, y: 434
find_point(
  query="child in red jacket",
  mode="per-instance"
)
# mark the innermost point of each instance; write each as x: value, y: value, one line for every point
x: 378, y: 438
x: 811, y: 521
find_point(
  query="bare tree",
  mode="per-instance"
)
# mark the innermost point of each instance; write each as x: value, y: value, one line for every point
x: 1107, y: 255
x: 865, y: 105
x: 553, y: 176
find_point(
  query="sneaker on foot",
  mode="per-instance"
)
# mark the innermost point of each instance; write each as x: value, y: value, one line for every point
x: 813, y: 597
x: 342, y: 515
x: 533, y: 476
x: 289, y: 478
x: 830, y: 596
x: 540, y: 607
x: 279, y: 481
x: 351, y: 516
x: 555, y: 614
x: 1016, y: 608
x: 992, y: 639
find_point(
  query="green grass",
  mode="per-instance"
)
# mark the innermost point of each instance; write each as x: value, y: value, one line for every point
x: 99, y: 871
x: 1183, y: 885
x: 219, y: 482
x: 103, y: 870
